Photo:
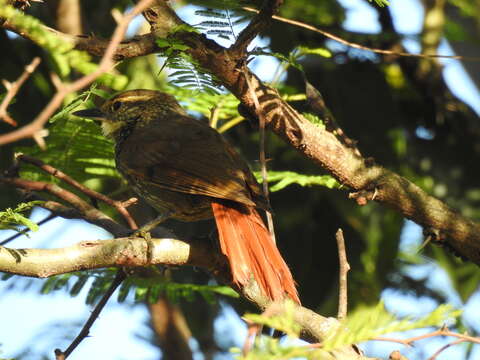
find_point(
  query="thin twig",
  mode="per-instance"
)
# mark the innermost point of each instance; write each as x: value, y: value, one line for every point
x: 13, y: 88
x: 445, y: 347
x: 362, y: 47
x: 256, y: 25
x: 252, y: 332
x: 119, y: 205
x: 344, y: 268
x: 263, y: 160
x: 89, y: 213
x: 440, y: 332
x: 106, y: 63
x: 119, y: 277
x: 255, y: 329
x: 396, y: 355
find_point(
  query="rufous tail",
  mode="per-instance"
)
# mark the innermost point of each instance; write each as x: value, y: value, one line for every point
x: 246, y: 242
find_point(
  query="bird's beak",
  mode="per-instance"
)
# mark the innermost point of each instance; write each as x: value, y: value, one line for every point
x: 94, y: 114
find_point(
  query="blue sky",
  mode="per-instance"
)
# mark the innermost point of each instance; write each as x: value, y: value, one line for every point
x: 29, y: 316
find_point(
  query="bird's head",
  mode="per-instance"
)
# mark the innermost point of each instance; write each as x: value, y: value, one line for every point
x: 131, y: 107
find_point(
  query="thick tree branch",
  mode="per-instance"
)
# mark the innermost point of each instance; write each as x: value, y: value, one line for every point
x: 95, y: 254
x: 140, y: 252
x: 137, y: 46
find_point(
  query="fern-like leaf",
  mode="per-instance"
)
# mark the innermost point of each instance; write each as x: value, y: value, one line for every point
x: 75, y: 146
x: 368, y: 323
x: 10, y: 219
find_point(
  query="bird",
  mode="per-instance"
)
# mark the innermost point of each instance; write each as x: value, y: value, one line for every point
x: 187, y: 170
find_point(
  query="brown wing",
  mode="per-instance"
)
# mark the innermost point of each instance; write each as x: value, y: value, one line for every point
x: 186, y: 155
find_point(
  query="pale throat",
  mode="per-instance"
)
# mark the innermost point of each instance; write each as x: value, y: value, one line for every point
x: 109, y: 128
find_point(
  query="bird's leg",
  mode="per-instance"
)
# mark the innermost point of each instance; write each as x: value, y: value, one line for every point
x: 145, y: 229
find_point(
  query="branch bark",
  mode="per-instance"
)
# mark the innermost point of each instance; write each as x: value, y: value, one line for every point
x: 141, y: 252
x: 95, y: 254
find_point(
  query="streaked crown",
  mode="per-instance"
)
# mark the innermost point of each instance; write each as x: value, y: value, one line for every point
x: 129, y: 107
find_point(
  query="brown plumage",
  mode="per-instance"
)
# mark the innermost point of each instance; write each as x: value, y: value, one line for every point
x: 184, y: 168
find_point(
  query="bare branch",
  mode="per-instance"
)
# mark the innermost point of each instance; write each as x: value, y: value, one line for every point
x: 119, y: 205
x: 263, y: 160
x: 13, y: 88
x: 34, y: 128
x: 344, y: 268
x: 260, y: 22
x: 439, y: 332
x: 84, y: 209
x: 95, y: 254
x: 445, y: 347
x: 95, y: 313
x: 362, y: 47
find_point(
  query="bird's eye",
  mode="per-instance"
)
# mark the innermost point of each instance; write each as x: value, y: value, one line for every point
x: 116, y: 105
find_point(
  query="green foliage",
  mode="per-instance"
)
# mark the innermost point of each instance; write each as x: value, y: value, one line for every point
x: 187, y: 72
x: 82, y: 99
x: 381, y: 2
x: 268, y: 348
x: 367, y: 323
x: 314, y: 119
x: 74, y: 146
x: 364, y: 324
x: 61, y: 51
x: 143, y: 289
x: 220, y: 4
x: 294, y: 57
x: 220, y: 23
x: 225, y: 104
x: 11, y: 218
x: 456, y: 32
x: 284, y: 322
x: 466, y: 7
x: 150, y: 289
x: 286, y: 178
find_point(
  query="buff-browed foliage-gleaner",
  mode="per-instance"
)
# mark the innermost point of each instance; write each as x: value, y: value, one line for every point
x: 186, y: 170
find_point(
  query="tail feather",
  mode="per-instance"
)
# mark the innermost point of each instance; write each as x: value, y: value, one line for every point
x: 246, y: 242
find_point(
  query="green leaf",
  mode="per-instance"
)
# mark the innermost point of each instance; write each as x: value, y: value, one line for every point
x: 11, y: 218
x: 268, y: 348
x: 62, y: 51
x: 286, y: 178
x: 162, y: 42
x: 149, y: 289
x: 184, y: 28
x: 369, y: 322
x: 381, y: 3
x: 303, y: 50
x: 74, y: 145
x: 314, y: 119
